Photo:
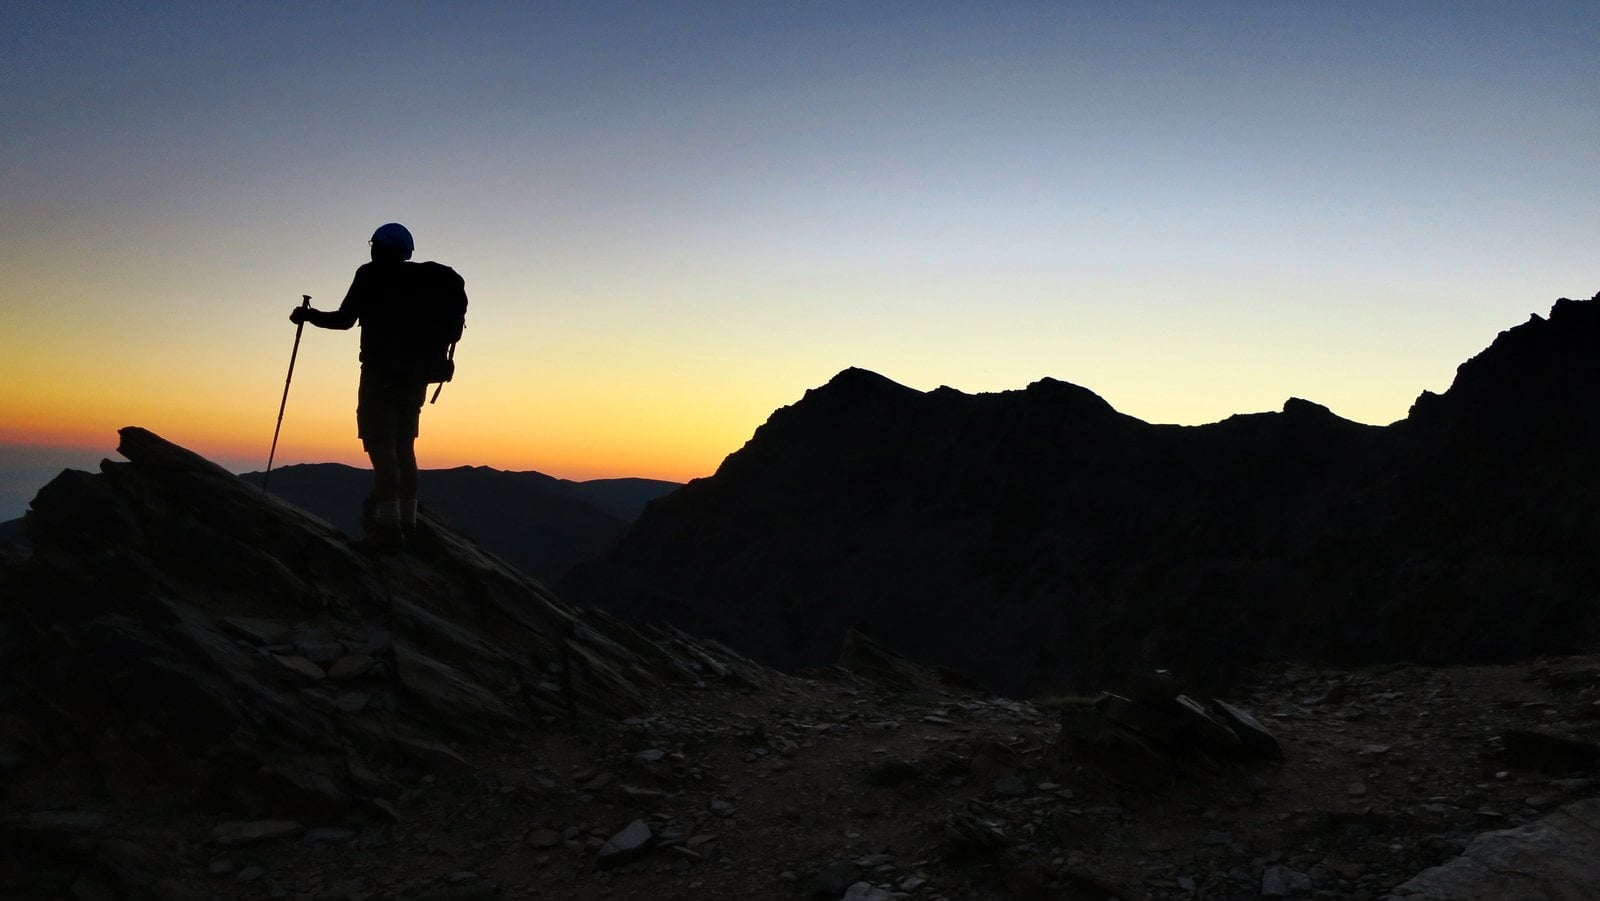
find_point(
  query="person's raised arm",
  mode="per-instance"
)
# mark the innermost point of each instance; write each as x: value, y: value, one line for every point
x: 342, y: 318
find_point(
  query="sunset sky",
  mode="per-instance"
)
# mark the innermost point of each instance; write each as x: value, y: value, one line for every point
x: 674, y: 218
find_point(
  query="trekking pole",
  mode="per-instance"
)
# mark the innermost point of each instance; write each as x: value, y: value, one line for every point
x: 298, y: 328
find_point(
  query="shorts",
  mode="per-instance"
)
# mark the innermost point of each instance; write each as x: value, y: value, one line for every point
x: 388, y: 409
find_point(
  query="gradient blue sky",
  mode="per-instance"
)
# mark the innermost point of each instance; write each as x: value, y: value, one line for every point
x: 675, y: 217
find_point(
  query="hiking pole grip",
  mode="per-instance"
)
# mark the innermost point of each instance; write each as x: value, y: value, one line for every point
x: 305, y: 304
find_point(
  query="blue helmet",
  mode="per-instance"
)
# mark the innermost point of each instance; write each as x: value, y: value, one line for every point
x: 395, y: 237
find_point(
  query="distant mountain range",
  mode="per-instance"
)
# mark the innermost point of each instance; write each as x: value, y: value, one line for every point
x: 539, y: 524
x: 1038, y: 538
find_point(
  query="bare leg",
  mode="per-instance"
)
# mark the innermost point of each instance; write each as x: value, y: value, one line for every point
x: 388, y: 471
x: 405, y: 456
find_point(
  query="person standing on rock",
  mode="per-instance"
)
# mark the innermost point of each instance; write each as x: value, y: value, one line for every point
x: 411, y: 315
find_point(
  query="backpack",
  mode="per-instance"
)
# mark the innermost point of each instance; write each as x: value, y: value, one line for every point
x: 442, y: 317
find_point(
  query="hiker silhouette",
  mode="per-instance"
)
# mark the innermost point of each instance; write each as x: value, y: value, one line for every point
x: 411, y: 315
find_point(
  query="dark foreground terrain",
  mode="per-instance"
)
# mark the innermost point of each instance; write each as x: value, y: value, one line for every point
x: 820, y: 783
x: 205, y: 693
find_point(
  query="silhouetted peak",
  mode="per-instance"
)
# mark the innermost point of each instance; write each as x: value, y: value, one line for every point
x: 1296, y: 411
x: 855, y: 381
x: 852, y: 394
x: 1545, y: 368
x: 1296, y: 406
x: 1058, y: 392
x: 1566, y: 309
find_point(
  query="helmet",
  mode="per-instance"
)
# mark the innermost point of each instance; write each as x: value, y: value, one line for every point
x: 395, y: 237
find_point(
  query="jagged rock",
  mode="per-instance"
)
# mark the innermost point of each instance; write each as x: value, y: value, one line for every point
x: 631, y: 843
x: 964, y: 831
x: 866, y: 891
x: 368, y: 782
x: 305, y: 791
x: 178, y: 621
x: 1147, y: 721
x: 257, y: 631
x: 871, y: 660
x: 1010, y: 786
x: 543, y: 838
x: 246, y: 833
x: 434, y: 755
x: 1208, y: 726
x: 300, y: 667
x: 352, y: 702
x: 447, y: 691
x: 1283, y: 882
x: 1557, y: 857
x: 317, y: 645
x: 1251, y: 733
x: 351, y: 666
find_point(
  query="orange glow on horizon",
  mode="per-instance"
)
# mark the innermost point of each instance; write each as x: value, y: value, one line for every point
x: 243, y: 455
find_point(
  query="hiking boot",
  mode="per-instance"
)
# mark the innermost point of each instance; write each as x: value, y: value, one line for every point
x: 384, y: 536
x: 421, y: 538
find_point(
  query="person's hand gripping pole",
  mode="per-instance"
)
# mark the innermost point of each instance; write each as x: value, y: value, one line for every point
x: 299, y: 326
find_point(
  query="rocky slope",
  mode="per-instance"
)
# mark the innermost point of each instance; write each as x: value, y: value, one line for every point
x: 1039, y: 538
x: 177, y: 633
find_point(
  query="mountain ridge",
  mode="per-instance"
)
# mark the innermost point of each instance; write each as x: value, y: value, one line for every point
x: 1038, y: 536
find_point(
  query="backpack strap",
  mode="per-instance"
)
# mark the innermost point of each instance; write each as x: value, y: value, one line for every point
x: 440, y: 387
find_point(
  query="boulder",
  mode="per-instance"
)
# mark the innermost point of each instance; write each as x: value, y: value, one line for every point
x: 1556, y: 858
x: 631, y: 843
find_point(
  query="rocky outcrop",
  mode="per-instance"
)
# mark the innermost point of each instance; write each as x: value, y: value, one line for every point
x: 177, y: 633
x: 1037, y: 538
x: 1548, y: 860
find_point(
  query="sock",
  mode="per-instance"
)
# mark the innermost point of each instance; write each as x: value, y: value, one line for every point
x: 408, y: 511
x: 387, y: 511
